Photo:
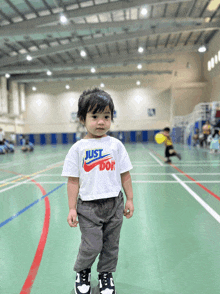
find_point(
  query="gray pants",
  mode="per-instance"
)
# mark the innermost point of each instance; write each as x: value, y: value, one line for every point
x: 100, y: 223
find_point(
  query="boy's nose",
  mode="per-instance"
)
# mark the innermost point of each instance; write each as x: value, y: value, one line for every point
x: 101, y: 122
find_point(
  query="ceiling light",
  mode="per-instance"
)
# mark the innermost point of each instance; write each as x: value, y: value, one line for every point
x: 102, y: 85
x: 140, y: 49
x: 7, y: 75
x: 144, y: 11
x: 213, y: 5
x: 93, y: 70
x: 29, y: 58
x: 49, y: 73
x: 202, y: 49
x: 207, y: 19
x: 63, y: 19
x: 139, y: 66
x: 34, y: 88
x: 209, y: 65
x: 212, y: 62
x: 67, y: 87
x: 83, y: 53
x: 138, y: 83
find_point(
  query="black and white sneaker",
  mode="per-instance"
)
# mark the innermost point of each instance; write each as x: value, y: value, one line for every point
x: 82, y: 283
x: 168, y: 161
x: 106, y: 284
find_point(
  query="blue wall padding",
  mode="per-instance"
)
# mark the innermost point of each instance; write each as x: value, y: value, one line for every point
x: 133, y: 136
x: 42, y: 139
x: 31, y: 138
x: 144, y: 136
x: 64, y: 139
x: 53, y: 138
x: 156, y: 131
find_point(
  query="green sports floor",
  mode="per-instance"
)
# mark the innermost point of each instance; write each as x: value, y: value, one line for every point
x: 170, y: 246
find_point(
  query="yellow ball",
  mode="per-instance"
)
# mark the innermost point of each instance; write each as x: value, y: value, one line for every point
x: 160, y: 138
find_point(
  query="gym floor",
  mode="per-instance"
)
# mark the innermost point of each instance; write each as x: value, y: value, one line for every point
x: 170, y: 245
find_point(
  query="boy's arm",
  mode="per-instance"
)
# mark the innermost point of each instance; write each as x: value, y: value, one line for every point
x: 127, y: 186
x: 72, y: 191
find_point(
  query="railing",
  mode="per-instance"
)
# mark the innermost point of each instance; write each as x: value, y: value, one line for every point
x: 202, y: 112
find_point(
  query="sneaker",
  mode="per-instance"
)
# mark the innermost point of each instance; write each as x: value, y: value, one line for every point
x: 168, y: 161
x: 82, y: 283
x: 179, y: 156
x: 106, y: 284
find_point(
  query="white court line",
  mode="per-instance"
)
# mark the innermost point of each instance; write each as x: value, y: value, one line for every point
x: 155, y: 182
x: 10, y: 164
x: 9, y: 179
x: 37, y: 158
x: 143, y: 174
x: 156, y: 158
x: 145, y: 165
x: 52, y: 182
x: 173, y: 182
x: 202, y: 161
x: 197, y: 198
x: 199, y: 165
x: 21, y: 183
x: 182, y: 164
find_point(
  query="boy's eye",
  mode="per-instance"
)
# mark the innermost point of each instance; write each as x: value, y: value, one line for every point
x: 94, y: 116
x: 107, y: 117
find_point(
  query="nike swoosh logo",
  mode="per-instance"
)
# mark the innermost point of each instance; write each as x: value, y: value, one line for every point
x: 89, y: 167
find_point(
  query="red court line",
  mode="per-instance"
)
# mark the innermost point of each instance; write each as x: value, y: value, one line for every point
x: 26, y: 289
x: 185, y: 174
x: 199, y: 184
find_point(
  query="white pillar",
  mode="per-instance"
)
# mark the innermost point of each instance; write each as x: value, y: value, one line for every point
x: 22, y: 97
x: 13, y: 100
x: 3, y: 96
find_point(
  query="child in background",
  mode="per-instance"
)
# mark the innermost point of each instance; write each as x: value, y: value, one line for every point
x: 8, y: 146
x: 214, y: 146
x: 29, y: 145
x: 206, y: 128
x: 23, y: 143
x: 97, y: 167
x: 2, y: 149
x: 196, y: 138
x: 169, y: 151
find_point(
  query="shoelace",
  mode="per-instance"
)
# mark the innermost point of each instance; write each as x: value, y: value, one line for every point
x: 84, y: 276
x: 105, y: 279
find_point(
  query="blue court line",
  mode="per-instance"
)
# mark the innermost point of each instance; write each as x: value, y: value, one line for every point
x: 29, y: 206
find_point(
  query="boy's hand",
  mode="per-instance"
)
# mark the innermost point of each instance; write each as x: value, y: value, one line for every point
x: 72, y: 218
x: 129, y: 209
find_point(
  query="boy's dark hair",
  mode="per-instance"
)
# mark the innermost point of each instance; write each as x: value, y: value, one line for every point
x: 166, y: 129
x: 95, y: 100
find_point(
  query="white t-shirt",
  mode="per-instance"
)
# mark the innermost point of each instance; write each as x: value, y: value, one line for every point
x: 98, y: 163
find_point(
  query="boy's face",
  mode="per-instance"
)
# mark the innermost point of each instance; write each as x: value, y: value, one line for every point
x: 166, y: 133
x: 98, y: 124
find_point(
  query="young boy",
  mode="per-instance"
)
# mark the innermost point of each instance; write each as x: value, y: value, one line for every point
x: 97, y: 166
x: 169, y: 151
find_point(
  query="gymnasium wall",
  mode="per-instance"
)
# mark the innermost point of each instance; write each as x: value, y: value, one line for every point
x: 213, y: 76
x: 49, y: 109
